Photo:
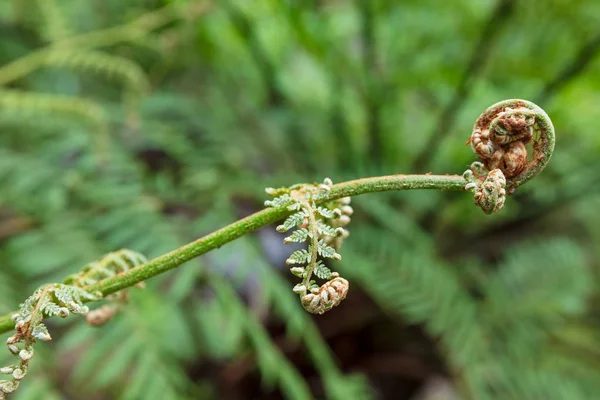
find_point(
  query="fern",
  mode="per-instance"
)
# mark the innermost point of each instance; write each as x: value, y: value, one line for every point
x: 54, y: 24
x: 48, y: 300
x: 60, y: 300
x: 274, y: 366
x: 112, y: 66
x: 307, y: 105
x: 502, y: 335
x: 313, y: 223
x: 424, y: 291
x: 300, y: 326
x: 146, y: 353
x: 26, y: 103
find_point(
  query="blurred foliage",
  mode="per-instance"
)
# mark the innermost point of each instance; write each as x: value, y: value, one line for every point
x: 144, y: 124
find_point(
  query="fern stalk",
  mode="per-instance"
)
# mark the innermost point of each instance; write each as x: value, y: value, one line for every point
x: 314, y: 244
x: 255, y: 221
x: 499, y: 138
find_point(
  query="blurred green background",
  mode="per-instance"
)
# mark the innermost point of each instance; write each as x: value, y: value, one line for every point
x: 144, y: 124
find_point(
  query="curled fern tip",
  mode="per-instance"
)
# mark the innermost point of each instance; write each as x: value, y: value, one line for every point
x: 500, y: 138
x: 323, y: 227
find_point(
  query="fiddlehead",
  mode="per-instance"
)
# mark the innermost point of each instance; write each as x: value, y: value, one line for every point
x: 500, y: 138
x: 48, y: 300
x: 62, y: 299
x: 323, y: 228
x: 108, y: 266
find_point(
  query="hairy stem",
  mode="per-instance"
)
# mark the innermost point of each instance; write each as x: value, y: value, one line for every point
x: 314, y: 244
x: 257, y: 220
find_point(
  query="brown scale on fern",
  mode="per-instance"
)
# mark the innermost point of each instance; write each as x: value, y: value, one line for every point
x: 500, y: 143
x: 329, y: 295
x: 500, y: 138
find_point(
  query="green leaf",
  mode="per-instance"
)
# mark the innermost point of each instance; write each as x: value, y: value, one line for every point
x: 325, y: 212
x: 299, y: 257
x: 280, y: 201
x: 325, y: 229
x: 40, y: 332
x: 292, y: 221
x: 328, y: 251
x: 322, y: 271
x: 298, y: 236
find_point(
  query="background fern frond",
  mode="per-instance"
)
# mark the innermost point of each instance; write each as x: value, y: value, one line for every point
x: 274, y: 367
x: 206, y: 104
x: 28, y: 104
x: 55, y: 26
x: 115, y: 67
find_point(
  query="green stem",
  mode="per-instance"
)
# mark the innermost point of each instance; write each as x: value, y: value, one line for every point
x: 257, y: 220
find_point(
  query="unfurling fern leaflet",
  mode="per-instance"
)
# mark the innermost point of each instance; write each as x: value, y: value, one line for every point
x: 62, y: 299
x: 48, y: 300
x: 322, y: 227
x: 499, y: 138
x: 108, y: 266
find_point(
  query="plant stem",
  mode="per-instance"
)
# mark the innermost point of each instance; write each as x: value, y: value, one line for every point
x: 314, y: 245
x: 257, y: 220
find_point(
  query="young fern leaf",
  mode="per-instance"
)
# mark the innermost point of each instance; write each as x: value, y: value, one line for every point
x: 325, y: 229
x: 292, y: 221
x: 326, y: 213
x: 110, y: 265
x: 48, y: 300
x: 279, y: 201
x: 500, y: 138
x: 299, y: 257
x: 38, y: 102
x: 322, y: 227
x: 322, y: 272
x: 328, y: 251
x: 107, y: 267
x: 500, y: 151
x: 298, y: 236
x: 61, y: 299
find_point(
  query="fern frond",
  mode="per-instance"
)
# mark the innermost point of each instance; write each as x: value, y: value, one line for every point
x: 28, y: 103
x: 300, y: 325
x: 544, y: 281
x: 108, y: 266
x: 313, y: 223
x: 301, y: 256
x: 298, y: 236
x: 54, y: 25
x: 292, y: 221
x: 280, y: 201
x: 421, y: 290
x: 325, y: 229
x: 326, y: 213
x: 48, y: 300
x: 274, y: 366
x: 144, y: 353
x: 120, y: 68
x: 273, y: 290
x: 59, y: 243
x: 322, y: 272
x: 328, y: 251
